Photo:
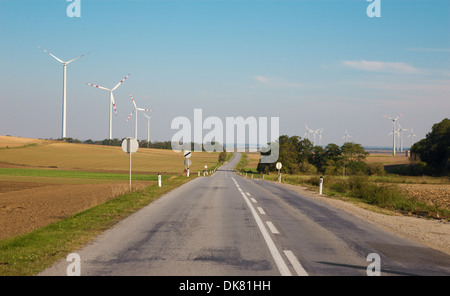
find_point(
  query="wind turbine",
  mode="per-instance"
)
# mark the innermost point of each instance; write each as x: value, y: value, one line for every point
x: 346, y: 136
x: 400, y: 134
x: 64, y: 63
x: 393, y: 131
x: 136, y: 109
x: 111, y: 101
x: 412, y: 136
x: 319, y: 132
x: 308, y: 131
x: 148, y: 130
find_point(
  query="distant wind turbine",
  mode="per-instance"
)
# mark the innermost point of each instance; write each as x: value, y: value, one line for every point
x: 308, y: 131
x: 111, y: 101
x: 393, y: 130
x: 64, y: 63
x: 135, y: 110
x: 412, y: 136
x: 346, y: 136
x: 148, y: 130
x: 400, y: 134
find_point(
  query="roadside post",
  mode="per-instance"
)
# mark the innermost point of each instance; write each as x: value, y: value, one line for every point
x: 320, y: 185
x: 159, y: 179
x: 205, y: 172
x: 278, y: 166
x: 130, y: 146
x: 187, y: 161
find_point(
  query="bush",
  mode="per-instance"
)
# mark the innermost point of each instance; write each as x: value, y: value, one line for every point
x: 375, y: 169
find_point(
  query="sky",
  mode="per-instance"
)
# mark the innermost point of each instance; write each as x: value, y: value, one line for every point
x: 327, y: 64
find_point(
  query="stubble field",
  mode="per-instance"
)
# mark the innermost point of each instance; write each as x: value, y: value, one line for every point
x: 43, y: 181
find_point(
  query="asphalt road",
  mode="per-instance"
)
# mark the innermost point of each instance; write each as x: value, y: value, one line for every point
x: 226, y: 225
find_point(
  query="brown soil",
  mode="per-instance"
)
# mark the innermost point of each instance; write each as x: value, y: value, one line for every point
x: 25, y: 206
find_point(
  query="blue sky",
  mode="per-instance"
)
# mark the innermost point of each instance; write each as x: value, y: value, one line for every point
x: 324, y: 63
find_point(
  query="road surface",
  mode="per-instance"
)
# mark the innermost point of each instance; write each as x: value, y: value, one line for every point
x: 227, y: 225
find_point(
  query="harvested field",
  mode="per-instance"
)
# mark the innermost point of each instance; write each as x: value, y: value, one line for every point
x: 43, y: 181
x: 431, y: 194
x: 25, y: 206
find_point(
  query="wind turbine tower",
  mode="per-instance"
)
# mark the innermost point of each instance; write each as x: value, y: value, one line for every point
x: 400, y: 134
x: 148, y: 130
x: 393, y: 131
x: 111, y: 101
x: 64, y: 63
x: 412, y: 136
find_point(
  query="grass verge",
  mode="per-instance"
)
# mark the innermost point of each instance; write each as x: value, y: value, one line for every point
x: 30, y: 253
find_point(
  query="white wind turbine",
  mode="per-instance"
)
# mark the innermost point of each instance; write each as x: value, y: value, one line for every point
x: 412, y: 136
x: 400, y: 134
x: 393, y: 130
x: 319, y: 132
x: 64, y: 63
x: 346, y: 136
x: 148, y: 130
x: 111, y: 101
x: 308, y: 131
x: 136, y: 109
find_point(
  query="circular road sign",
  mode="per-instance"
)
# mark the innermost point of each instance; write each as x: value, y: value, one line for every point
x: 130, y: 145
x: 278, y: 165
x: 187, y: 153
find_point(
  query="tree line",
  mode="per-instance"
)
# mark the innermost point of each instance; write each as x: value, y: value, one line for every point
x: 299, y: 155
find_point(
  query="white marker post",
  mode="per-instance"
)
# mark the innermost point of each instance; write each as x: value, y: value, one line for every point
x: 320, y: 185
x: 278, y: 166
x: 130, y: 146
x: 187, y: 161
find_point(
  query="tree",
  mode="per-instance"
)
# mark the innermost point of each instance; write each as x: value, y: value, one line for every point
x: 434, y: 150
x: 353, y: 156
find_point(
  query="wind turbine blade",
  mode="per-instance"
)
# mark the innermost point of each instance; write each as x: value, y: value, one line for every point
x: 388, y: 117
x: 399, y: 116
x: 114, y: 103
x: 142, y: 109
x: 97, y: 86
x: 129, y: 116
x: 77, y: 58
x: 132, y: 100
x: 121, y: 81
x: 147, y: 116
x: 59, y: 60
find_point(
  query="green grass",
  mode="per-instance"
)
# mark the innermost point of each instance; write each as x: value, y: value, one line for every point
x: 30, y: 253
x: 76, y: 174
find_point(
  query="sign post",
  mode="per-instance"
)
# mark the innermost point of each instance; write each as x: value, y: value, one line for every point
x: 278, y: 166
x: 187, y: 161
x: 130, y: 146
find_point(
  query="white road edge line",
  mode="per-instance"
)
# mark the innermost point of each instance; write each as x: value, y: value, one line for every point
x: 261, y: 211
x: 282, y: 267
x: 295, y: 263
x: 272, y: 227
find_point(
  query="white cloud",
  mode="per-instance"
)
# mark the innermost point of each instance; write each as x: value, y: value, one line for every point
x: 376, y: 66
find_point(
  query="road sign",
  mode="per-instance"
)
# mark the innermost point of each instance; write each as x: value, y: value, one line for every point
x: 187, y: 153
x: 130, y: 145
x: 278, y: 165
x: 187, y: 162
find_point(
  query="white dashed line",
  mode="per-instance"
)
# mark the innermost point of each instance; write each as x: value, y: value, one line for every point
x: 261, y: 211
x: 279, y: 261
x: 272, y: 227
x: 253, y: 200
x: 295, y: 263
